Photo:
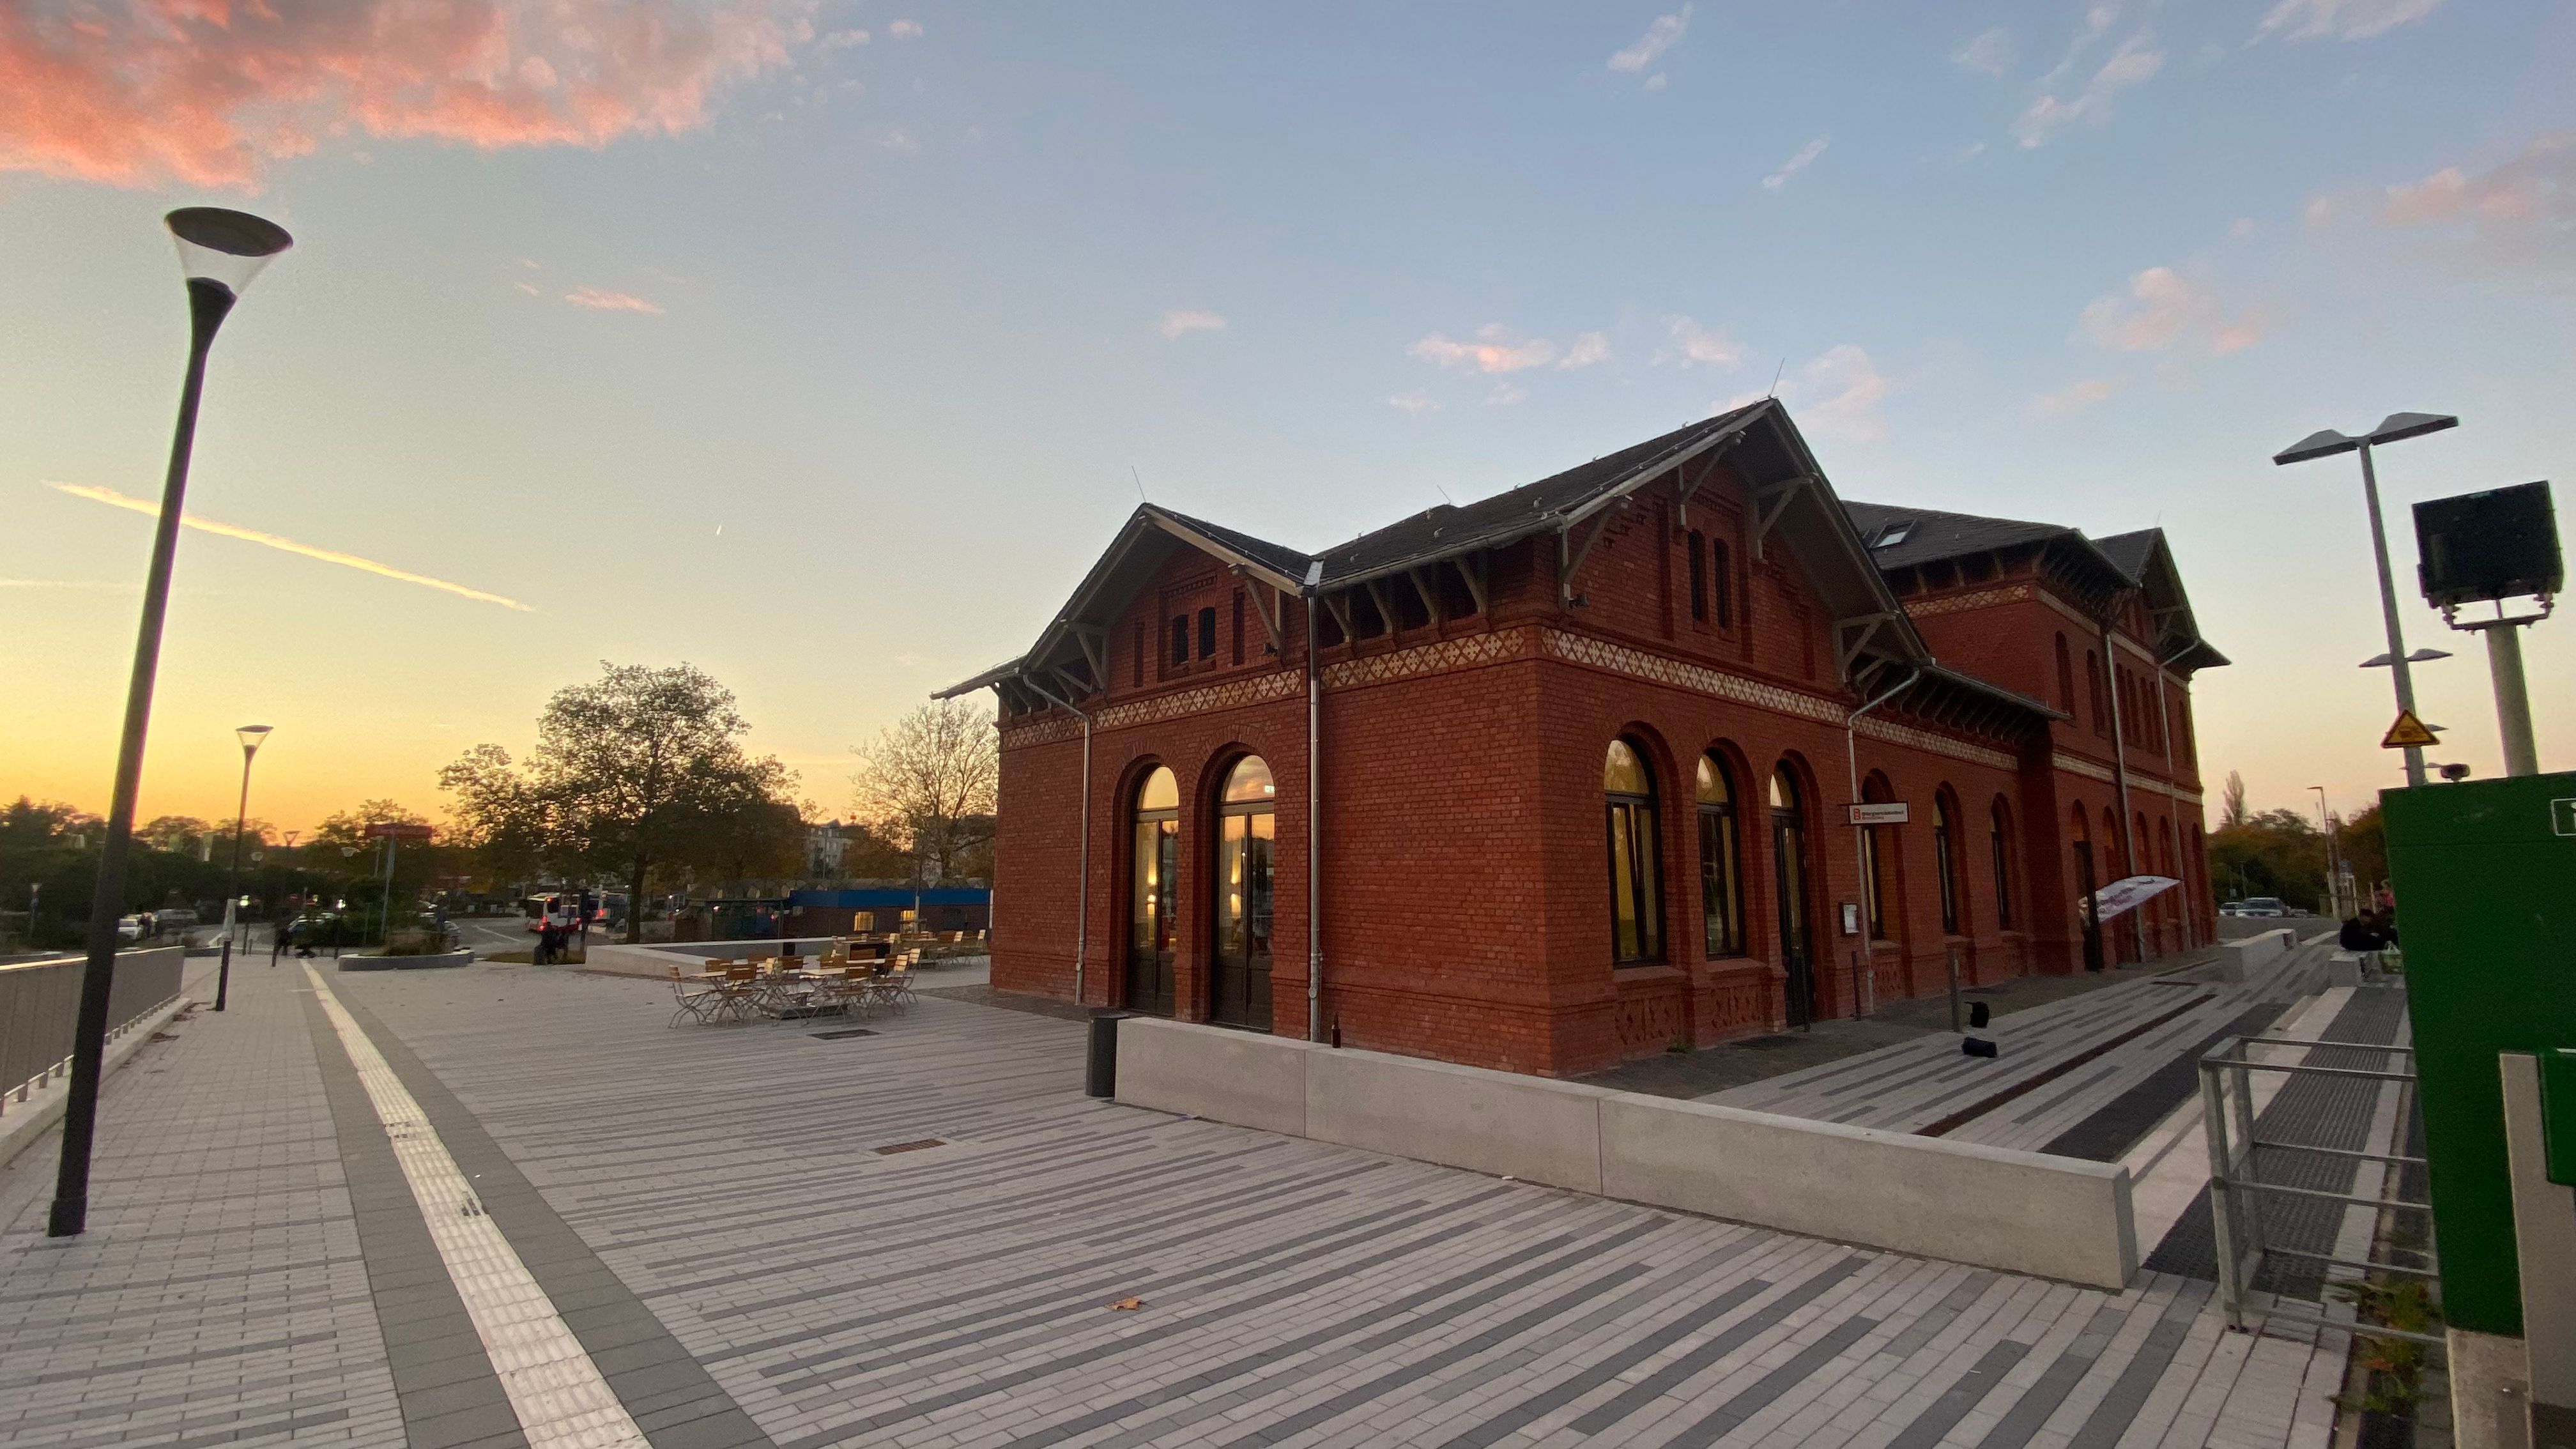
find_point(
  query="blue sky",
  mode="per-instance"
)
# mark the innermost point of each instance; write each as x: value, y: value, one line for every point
x: 908, y: 319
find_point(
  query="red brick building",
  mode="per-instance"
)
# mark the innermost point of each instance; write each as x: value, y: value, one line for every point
x: 1583, y: 752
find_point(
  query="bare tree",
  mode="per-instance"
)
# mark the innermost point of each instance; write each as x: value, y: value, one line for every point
x: 2232, y: 811
x: 929, y: 783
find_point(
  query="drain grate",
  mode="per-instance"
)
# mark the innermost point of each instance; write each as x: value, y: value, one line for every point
x: 844, y: 1032
x: 891, y: 1148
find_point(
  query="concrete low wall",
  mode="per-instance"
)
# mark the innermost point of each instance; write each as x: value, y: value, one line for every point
x: 2242, y: 960
x: 2022, y: 1212
x: 356, y: 962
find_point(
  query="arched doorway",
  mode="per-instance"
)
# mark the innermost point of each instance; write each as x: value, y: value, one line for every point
x: 1152, y: 914
x: 1246, y: 847
x: 1789, y: 881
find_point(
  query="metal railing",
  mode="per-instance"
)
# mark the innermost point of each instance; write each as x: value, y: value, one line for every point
x: 2238, y: 1190
x: 40, y: 1009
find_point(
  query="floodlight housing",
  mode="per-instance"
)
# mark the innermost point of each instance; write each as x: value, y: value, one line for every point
x: 252, y: 737
x: 2398, y: 427
x: 2324, y: 444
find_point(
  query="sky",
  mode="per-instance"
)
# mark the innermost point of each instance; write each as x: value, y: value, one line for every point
x: 824, y: 345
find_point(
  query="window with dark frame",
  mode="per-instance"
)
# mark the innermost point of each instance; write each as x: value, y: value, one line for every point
x: 1698, y: 576
x: 1180, y: 640
x: 2065, y: 678
x: 1137, y: 661
x: 1721, y: 883
x: 1629, y: 833
x: 1721, y: 580
x: 1999, y: 836
x: 1207, y: 632
x: 1238, y: 626
x: 1944, y: 868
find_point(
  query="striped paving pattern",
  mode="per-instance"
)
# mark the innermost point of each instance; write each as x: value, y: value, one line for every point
x: 2059, y: 1066
x: 1288, y: 1292
x: 219, y: 1295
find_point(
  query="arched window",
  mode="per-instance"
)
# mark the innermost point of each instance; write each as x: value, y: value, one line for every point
x: 1721, y: 583
x: 1873, y: 875
x: 2065, y: 678
x: 1721, y: 887
x: 1999, y: 838
x: 1789, y: 882
x: 1155, y: 878
x: 2093, y: 692
x: 1636, y: 887
x: 1247, y: 834
x: 1945, y: 866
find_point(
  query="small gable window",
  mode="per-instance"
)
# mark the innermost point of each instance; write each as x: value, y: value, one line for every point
x: 1894, y: 534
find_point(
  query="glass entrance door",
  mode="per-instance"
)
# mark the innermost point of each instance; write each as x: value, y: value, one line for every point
x: 1246, y: 851
x: 1789, y: 879
x: 1154, y: 888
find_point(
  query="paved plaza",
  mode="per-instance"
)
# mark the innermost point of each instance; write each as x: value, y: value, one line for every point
x: 926, y: 1236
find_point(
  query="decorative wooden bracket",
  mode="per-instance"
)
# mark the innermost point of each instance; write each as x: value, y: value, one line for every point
x: 1269, y: 611
x: 1707, y: 470
x: 1852, y: 635
x: 1569, y: 557
x: 1338, y: 604
x: 1092, y: 640
x: 1430, y: 597
x: 1770, y: 500
x: 1472, y: 569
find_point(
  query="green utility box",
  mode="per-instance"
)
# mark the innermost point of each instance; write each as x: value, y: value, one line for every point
x: 2485, y: 875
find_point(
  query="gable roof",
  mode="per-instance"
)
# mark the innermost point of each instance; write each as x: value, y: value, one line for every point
x: 2141, y: 559
x: 1798, y: 510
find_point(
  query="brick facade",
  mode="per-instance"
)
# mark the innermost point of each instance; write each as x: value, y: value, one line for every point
x: 1465, y: 890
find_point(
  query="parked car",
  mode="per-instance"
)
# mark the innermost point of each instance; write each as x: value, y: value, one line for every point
x: 133, y: 928
x: 175, y: 918
x: 2255, y: 906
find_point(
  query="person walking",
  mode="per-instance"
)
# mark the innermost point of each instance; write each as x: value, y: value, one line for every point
x: 276, y: 942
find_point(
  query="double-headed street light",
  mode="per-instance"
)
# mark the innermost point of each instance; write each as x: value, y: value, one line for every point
x: 220, y: 251
x: 251, y: 737
x: 2396, y: 428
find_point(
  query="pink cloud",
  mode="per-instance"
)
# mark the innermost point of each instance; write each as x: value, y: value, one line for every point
x: 1494, y: 350
x: 206, y: 92
x: 2162, y: 308
x: 599, y: 300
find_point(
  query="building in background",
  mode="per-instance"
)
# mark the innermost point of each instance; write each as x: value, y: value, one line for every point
x: 1585, y: 756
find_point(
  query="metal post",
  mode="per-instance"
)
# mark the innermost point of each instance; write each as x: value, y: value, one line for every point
x: 2397, y: 667
x: 2222, y: 1197
x: 232, y: 884
x: 208, y: 302
x: 385, y: 903
x: 2513, y: 700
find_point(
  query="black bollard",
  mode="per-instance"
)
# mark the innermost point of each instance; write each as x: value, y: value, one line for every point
x: 1100, y: 1076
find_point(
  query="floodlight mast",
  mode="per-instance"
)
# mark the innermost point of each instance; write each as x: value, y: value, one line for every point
x: 2395, y: 428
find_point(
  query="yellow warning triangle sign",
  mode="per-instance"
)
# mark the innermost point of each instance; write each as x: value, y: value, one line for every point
x: 2407, y: 731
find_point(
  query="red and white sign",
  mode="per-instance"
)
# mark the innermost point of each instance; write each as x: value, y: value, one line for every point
x: 396, y: 830
x: 1889, y: 814
x: 2125, y: 895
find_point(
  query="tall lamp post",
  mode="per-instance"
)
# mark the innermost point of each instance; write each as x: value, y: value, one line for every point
x: 220, y: 251
x: 2325, y: 822
x: 2395, y: 428
x: 251, y: 737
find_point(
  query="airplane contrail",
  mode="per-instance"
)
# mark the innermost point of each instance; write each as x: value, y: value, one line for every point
x: 114, y: 499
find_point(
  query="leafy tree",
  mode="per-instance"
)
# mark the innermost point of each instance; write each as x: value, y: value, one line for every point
x: 2276, y: 853
x: 2364, y: 843
x: 638, y: 771
x: 24, y: 823
x: 930, y: 783
x: 180, y: 834
x: 2233, y: 813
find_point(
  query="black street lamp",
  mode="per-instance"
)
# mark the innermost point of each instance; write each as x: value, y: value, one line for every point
x: 251, y: 737
x: 220, y: 251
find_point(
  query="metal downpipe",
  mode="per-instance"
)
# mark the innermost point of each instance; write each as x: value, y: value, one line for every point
x: 1860, y: 841
x: 1314, y: 820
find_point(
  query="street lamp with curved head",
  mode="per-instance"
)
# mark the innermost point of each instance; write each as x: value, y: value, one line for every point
x: 251, y: 737
x: 2395, y: 428
x: 220, y: 251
